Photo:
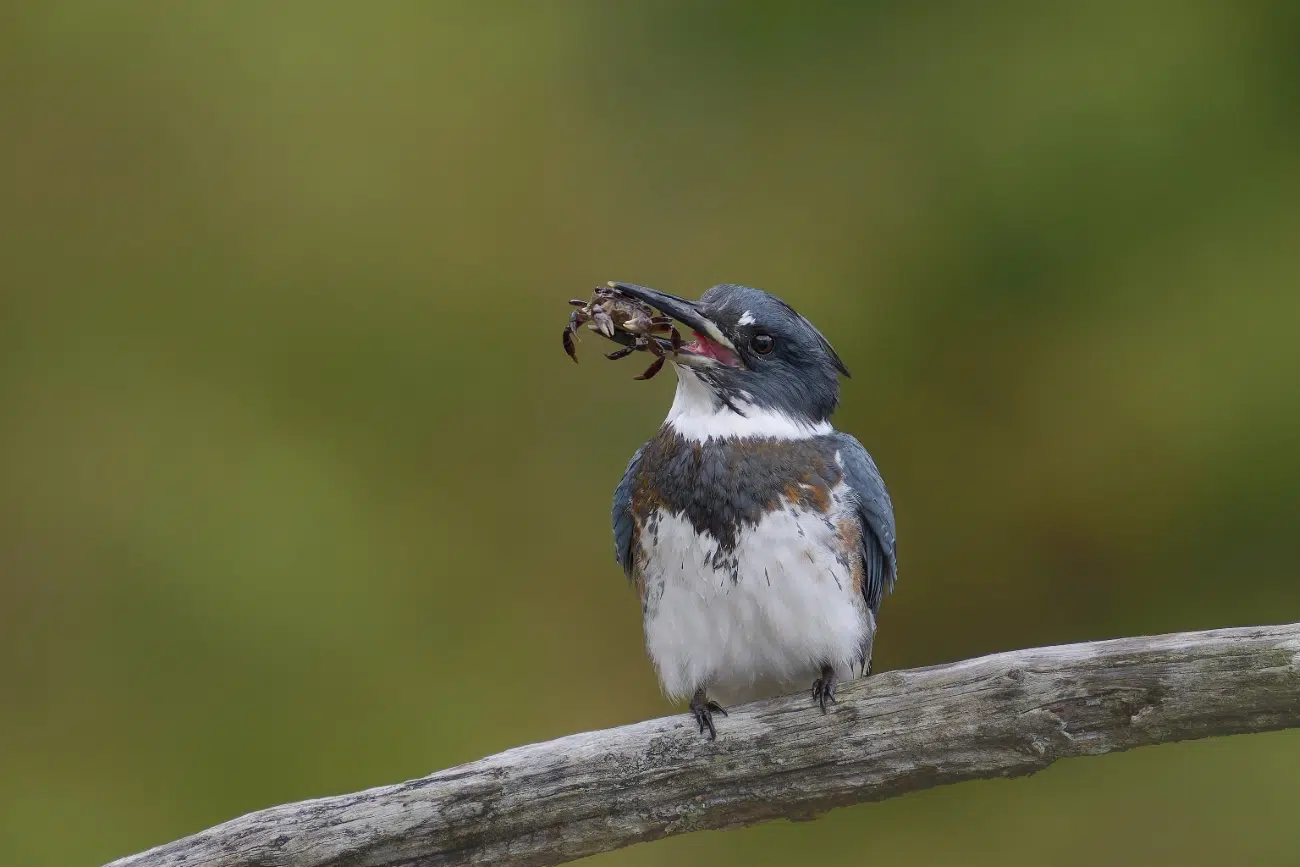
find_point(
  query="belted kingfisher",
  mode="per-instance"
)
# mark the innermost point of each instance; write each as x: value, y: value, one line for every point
x: 760, y: 539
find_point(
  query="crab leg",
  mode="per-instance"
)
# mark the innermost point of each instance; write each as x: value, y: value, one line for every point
x: 654, y: 368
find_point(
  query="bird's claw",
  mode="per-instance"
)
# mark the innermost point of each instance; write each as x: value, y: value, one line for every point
x: 823, y: 688
x: 703, y: 709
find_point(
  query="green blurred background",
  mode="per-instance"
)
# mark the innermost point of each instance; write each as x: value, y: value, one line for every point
x: 299, y: 494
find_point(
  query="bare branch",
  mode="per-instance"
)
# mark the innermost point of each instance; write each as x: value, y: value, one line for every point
x: 1003, y: 715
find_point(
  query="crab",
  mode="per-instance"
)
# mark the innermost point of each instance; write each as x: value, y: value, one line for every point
x: 626, y: 320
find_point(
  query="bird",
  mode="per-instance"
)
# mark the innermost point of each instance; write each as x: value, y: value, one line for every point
x: 760, y: 540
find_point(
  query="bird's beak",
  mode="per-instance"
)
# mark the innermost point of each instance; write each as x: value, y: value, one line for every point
x: 711, y: 345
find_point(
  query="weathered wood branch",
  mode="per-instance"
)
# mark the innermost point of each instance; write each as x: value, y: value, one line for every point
x: 1003, y: 715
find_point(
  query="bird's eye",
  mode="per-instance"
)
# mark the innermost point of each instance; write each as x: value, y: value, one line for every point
x: 762, y: 343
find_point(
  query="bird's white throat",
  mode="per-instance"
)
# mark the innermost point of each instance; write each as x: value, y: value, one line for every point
x: 698, y: 415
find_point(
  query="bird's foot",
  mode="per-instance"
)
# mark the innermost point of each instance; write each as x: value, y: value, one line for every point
x: 703, y: 710
x: 823, y: 688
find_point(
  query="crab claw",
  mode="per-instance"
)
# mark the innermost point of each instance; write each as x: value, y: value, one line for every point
x: 601, y: 321
x: 638, y: 324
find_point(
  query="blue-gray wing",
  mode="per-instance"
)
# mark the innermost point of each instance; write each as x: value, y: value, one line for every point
x: 876, y: 512
x: 623, y: 520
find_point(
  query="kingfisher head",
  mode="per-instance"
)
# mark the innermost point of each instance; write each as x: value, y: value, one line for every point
x: 754, y: 368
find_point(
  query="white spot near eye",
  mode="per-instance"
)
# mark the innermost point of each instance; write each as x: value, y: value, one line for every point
x: 746, y: 318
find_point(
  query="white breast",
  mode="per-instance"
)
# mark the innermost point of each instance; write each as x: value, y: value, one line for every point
x: 765, y: 627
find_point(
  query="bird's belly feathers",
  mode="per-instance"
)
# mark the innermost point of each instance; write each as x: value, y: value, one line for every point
x: 759, y: 619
